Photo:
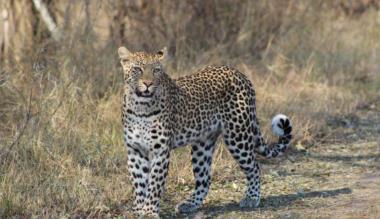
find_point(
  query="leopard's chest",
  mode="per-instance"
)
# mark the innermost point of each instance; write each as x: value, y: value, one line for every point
x: 140, y: 132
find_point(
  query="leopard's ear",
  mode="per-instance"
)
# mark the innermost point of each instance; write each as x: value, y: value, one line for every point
x: 123, y: 52
x: 163, y: 56
x: 163, y: 53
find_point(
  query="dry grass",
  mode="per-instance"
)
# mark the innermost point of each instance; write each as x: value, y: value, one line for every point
x: 61, y: 149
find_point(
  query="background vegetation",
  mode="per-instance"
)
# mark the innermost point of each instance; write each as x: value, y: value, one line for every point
x: 61, y: 149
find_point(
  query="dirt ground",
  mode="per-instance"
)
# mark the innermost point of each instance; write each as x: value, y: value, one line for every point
x: 339, y: 178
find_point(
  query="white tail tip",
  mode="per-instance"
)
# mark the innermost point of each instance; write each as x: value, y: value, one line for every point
x: 277, y: 124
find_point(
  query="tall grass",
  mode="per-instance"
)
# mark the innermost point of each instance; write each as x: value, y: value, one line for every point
x: 61, y: 149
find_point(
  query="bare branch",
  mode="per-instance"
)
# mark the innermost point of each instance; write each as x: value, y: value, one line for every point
x: 46, y: 17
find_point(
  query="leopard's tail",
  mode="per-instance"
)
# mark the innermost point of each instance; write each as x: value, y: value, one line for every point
x: 281, y: 127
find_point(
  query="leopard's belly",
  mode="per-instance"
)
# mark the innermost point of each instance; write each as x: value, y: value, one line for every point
x: 189, y: 134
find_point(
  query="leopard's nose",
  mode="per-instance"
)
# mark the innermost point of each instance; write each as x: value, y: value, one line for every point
x: 148, y: 83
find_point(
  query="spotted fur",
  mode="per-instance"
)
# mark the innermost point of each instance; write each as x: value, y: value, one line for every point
x: 161, y: 114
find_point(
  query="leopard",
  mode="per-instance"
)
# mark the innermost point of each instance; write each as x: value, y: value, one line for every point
x: 161, y: 113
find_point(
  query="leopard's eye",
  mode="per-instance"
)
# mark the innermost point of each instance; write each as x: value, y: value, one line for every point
x: 156, y: 70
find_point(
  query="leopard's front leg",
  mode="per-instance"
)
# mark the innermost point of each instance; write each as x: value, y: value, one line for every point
x: 138, y: 166
x: 159, y: 165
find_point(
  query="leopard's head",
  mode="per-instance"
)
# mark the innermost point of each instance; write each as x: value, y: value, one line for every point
x: 143, y: 72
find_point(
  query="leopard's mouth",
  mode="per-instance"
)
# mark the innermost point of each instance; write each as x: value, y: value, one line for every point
x: 145, y: 93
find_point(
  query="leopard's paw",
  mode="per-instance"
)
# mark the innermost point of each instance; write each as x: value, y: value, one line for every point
x: 248, y: 202
x: 186, y: 207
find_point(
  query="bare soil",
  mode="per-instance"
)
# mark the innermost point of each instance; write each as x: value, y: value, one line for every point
x: 337, y: 179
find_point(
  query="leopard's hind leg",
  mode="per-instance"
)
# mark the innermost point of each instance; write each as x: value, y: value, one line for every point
x: 201, y: 152
x: 240, y: 132
x: 242, y: 151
